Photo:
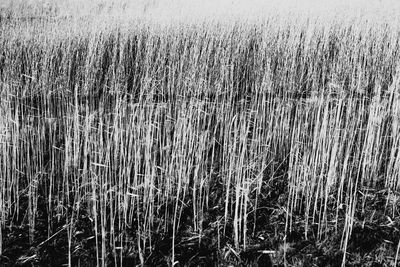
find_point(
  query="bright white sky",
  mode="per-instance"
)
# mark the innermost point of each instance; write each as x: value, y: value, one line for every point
x: 216, y: 9
x: 222, y: 9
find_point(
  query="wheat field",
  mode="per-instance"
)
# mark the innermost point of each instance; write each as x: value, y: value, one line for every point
x: 202, y: 134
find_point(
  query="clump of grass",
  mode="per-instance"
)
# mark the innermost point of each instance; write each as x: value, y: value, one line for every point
x: 152, y: 128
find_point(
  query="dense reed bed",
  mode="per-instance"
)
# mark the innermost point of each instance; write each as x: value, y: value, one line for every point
x: 196, y: 136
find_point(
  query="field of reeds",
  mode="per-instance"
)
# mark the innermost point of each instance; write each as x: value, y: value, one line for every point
x: 268, y: 142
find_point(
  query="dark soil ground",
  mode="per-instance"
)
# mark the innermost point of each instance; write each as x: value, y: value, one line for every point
x: 373, y: 242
